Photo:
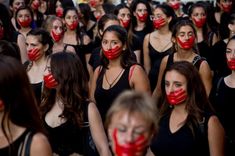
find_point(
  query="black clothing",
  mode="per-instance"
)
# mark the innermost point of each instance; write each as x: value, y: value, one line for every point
x: 37, y: 89
x: 182, y: 142
x: 95, y: 58
x: 156, y: 59
x: 104, y: 98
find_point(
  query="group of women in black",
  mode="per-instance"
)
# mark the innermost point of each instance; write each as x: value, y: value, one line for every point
x: 78, y: 57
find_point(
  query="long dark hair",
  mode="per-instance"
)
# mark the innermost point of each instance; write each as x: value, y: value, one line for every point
x: 72, y: 90
x: 30, y: 12
x: 127, y: 58
x: 16, y: 93
x: 197, y: 102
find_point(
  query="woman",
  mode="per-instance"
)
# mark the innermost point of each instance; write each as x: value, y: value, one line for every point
x: 14, y: 6
x: 187, y: 125
x: 39, y: 47
x: 184, y: 38
x: 205, y: 37
x: 19, y: 116
x: 176, y: 5
x: 222, y: 6
x: 66, y: 111
x: 131, y: 123
x: 54, y: 25
x: 104, y: 22
x: 158, y: 43
x: 221, y: 96
x: 76, y: 37
x: 117, y: 72
x: 219, y: 61
x: 141, y: 23
x: 38, y: 17
x: 123, y: 13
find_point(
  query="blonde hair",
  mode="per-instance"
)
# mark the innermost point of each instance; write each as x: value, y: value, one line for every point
x: 132, y: 102
x: 47, y: 24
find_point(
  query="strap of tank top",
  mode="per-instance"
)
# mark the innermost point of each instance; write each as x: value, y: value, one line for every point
x: 131, y: 71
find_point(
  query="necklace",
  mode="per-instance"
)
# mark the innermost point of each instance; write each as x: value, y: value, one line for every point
x: 111, y: 84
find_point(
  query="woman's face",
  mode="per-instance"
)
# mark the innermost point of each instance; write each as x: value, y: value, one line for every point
x: 129, y: 133
x: 198, y: 16
x: 124, y: 16
x: 175, y: 4
x: 175, y: 87
x: 111, y: 41
x: 141, y: 12
x: 225, y: 5
x: 57, y: 26
x: 35, y: 48
x: 71, y: 16
x: 230, y: 54
x: 17, y: 4
x: 185, y: 37
x: 24, y: 18
x: 159, y: 18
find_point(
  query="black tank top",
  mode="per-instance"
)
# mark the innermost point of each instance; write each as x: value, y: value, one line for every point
x: 104, y: 98
x: 14, y: 146
x: 68, y: 137
x: 156, y: 59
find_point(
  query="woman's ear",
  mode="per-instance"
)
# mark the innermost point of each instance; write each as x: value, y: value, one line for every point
x: 46, y: 47
x: 173, y: 40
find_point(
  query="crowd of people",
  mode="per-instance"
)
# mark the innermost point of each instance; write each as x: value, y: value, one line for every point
x: 139, y: 78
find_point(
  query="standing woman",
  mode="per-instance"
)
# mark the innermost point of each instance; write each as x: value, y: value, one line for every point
x: 55, y: 26
x: 131, y: 123
x: 222, y: 6
x: 158, y: 43
x: 38, y: 17
x: 141, y: 23
x: 184, y: 38
x: 176, y: 5
x: 76, y: 37
x: 205, y: 37
x: 222, y: 94
x: 123, y: 13
x: 19, y: 116
x: 39, y: 46
x: 187, y: 125
x: 14, y: 6
x: 67, y: 113
x: 117, y: 72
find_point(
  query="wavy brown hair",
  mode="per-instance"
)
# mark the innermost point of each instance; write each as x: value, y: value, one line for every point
x: 72, y: 88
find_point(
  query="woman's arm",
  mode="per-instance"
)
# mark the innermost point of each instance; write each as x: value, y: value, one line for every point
x: 206, y: 75
x: 22, y: 46
x: 157, y: 91
x: 216, y: 137
x: 147, y: 63
x: 93, y: 83
x: 139, y: 79
x: 40, y: 146
x: 97, y: 130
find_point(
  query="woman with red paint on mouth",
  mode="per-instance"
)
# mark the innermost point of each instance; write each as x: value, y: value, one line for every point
x: 38, y: 17
x: 176, y: 6
x: 184, y: 38
x: 67, y: 113
x: 222, y: 94
x: 158, y: 44
x: 39, y: 46
x: 141, y: 23
x: 123, y: 13
x: 206, y: 38
x: 55, y: 26
x: 187, y: 125
x: 131, y: 123
x: 118, y: 70
x: 222, y: 6
x: 76, y: 37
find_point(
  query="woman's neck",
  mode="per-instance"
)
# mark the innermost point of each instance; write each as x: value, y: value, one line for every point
x: 140, y: 25
x: 40, y: 62
x: 164, y: 30
x: 183, y: 54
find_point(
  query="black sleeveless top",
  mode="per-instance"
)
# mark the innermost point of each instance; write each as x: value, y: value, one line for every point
x: 37, y: 89
x: 68, y: 137
x: 182, y: 142
x: 14, y: 146
x: 156, y: 59
x: 197, y: 60
x: 104, y: 98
